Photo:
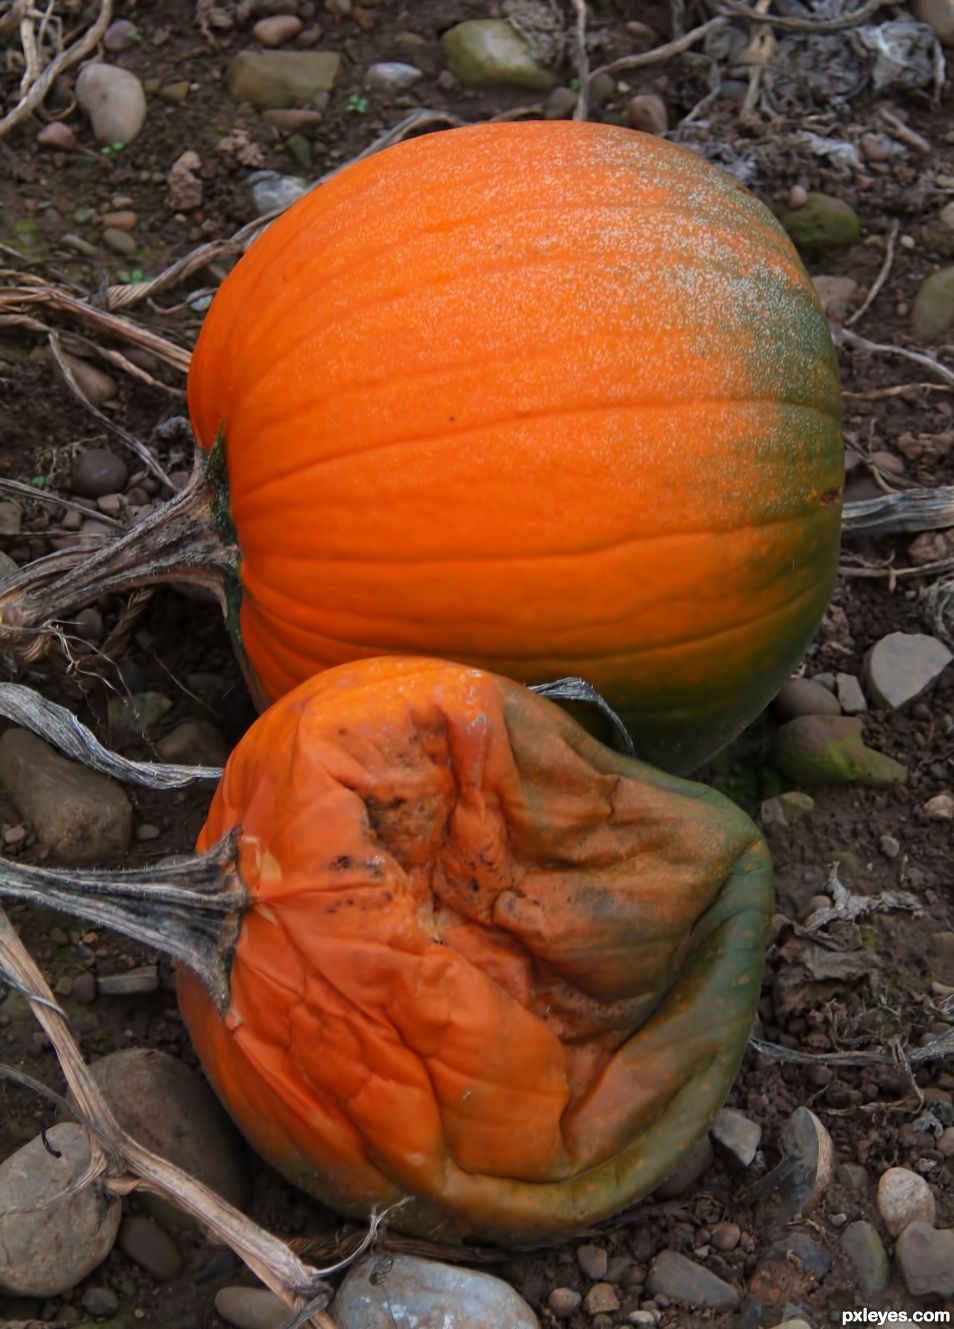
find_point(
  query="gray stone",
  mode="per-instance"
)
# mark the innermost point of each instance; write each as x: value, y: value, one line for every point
x: 786, y: 809
x: 932, y: 314
x: 415, y: 1292
x: 114, y: 102
x: 593, y: 1260
x: 120, y: 36
x: 78, y: 815
x: 97, y: 471
x: 120, y: 242
x: 696, y: 1162
x: 726, y: 1236
x: 171, y: 1110
x: 560, y: 104
x: 676, y: 1276
x: 251, y: 1308
x: 194, y: 743
x: 838, y: 295
x: 391, y: 76
x: 736, y: 1135
x: 483, y: 52
x: 271, y: 190
x: 562, y: 1302
x: 275, y: 80
x: 802, y: 1249
x: 830, y: 750
x: 926, y: 1257
x: 100, y: 1301
x: 850, y: 694
x: 939, y: 16
x: 865, y: 1250
x: 55, y: 1240
x: 96, y: 386
x: 902, y: 666
x: 904, y: 1197
x: 822, y: 223
x: 647, y: 113
x: 801, y: 696
x: 151, y: 1247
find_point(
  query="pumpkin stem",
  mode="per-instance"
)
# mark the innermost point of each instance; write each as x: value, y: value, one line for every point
x: 577, y: 689
x: 191, y: 910
x: 185, y: 540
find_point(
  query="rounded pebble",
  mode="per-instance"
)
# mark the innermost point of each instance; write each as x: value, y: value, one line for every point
x: 562, y: 1302
x: 251, y: 1308
x: 725, y: 1236
x: 57, y: 137
x: 904, y: 1198
x: 56, y: 1239
x: 151, y: 1247
x: 114, y: 101
x: 593, y: 1260
x: 97, y: 472
x: 277, y: 30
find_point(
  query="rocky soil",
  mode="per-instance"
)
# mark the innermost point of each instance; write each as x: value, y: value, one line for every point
x: 827, y: 1184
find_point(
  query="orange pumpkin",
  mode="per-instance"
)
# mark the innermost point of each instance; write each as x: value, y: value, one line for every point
x: 550, y: 397
x: 465, y: 954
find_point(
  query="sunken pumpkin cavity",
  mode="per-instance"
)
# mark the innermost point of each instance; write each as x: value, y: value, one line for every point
x: 486, y: 962
x: 550, y: 397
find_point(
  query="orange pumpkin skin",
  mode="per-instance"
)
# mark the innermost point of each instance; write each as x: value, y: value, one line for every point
x: 488, y: 963
x: 551, y: 398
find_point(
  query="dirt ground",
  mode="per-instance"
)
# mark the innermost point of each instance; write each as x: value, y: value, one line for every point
x: 893, y: 406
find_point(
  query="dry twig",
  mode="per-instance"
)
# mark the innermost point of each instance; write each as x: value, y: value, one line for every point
x: 880, y: 280
x: 582, y: 62
x: 42, y: 82
x: 664, y: 52
x: 736, y: 9
x: 131, y: 442
x: 126, y: 1166
x: 845, y: 337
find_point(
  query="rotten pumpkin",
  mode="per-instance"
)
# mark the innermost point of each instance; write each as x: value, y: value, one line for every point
x: 441, y: 944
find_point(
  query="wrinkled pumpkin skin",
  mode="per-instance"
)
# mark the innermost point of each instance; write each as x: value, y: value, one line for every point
x: 488, y: 962
x: 551, y: 398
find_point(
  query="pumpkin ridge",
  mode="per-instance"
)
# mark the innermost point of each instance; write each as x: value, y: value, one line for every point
x: 453, y: 435
x: 466, y: 275
x: 517, y: 557
x: 569, y: 656
x: 310, y: 259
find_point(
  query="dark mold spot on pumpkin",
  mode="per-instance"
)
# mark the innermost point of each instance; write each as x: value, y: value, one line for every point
x: 342, y: 862
x: 829, y: 497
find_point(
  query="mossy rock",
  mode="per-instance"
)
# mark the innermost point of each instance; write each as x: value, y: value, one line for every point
x: 822, y: 223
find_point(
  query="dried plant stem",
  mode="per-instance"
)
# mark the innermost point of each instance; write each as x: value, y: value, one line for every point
x: 904, y: 513
x: 880, y: 280
x: 852, y: 339
x: 864, y: 11
x: 582, y: 61
x: 131, y: 442
x: 128, y: 1166
x: 42, y: 83
x: 60, y: 727
x: 664, y: 52
x: 178, y: 542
